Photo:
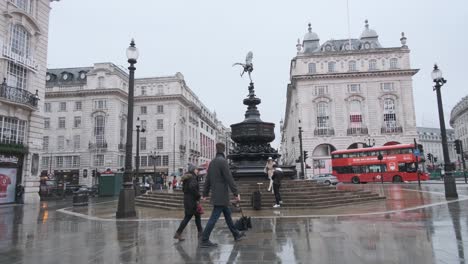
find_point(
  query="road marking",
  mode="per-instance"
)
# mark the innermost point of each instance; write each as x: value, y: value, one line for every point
x: 95, y: 218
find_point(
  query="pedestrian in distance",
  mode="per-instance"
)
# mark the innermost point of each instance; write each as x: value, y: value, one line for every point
x: 192, y: 196
x: 277, y: 177
x: 219, y: 180
x: 174, y: 183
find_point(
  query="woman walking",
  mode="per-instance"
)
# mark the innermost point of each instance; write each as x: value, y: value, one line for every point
x: 191, y: 199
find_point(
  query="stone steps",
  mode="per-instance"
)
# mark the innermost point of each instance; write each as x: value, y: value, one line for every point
x: 295, y: 194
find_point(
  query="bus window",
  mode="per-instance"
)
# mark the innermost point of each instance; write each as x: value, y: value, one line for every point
x: 402, y: 167
x: 410, y: 167
x: 362, y: 154
x: 393, y: 152
x: 345, y: 155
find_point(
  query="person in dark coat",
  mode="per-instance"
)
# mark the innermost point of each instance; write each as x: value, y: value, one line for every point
x: 277, y: 177
x: 219, y: 180
x: 191, y: 199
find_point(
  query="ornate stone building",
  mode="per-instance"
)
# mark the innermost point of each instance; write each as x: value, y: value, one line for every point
x: 431, y: 140
x: 23, y: 61
x: 347, y: 93
x: 85, y: 124
x: 459, y: 122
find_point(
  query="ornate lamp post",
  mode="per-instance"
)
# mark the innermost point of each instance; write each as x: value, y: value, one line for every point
x: 126, y: 207
x: 449, y: 180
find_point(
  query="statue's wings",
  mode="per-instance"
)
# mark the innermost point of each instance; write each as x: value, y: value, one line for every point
x: 248, y: 59
x: 238, y: 63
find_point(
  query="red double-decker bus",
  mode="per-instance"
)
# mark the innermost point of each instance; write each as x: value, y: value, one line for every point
x: 398, y: 164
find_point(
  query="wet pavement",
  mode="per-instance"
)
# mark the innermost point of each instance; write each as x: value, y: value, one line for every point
x: 410, y: 226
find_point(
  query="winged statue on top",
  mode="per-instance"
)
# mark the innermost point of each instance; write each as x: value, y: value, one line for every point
x: 248, y: 66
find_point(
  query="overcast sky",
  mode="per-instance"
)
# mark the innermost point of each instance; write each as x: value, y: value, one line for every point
x: 202, y: 39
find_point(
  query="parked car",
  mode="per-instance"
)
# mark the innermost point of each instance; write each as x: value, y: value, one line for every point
x: 327, y: 179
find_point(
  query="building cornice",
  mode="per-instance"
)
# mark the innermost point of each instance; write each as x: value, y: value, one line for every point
x: 82, y: 93
x: 343, y: 75
x: 352, y: 52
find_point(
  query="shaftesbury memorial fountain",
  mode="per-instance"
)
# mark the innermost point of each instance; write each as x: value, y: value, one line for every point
x: 253, y: 137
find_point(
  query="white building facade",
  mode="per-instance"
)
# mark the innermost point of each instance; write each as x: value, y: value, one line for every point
x: 459, y: 122
x: 347, y: 94
x: 23, y: 61
x: 86, y: 122
x: 431, y: 140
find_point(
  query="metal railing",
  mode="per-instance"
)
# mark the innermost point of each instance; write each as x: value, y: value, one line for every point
x: 18, y: 95
x: 391, y: 130
x: 357, y: 131
x: 97, y: 145
x: 327, y: 132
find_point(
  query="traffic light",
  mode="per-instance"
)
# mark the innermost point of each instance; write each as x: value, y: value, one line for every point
x: 435, y: 159
x: 305, y: 155
x: 430, y: 157
x: 93, y: 173
x: 458, y: 146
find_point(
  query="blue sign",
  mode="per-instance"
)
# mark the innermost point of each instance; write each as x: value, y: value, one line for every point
x: 416, y: 153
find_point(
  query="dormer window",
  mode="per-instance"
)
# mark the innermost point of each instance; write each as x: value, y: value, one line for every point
x: 82, y: 75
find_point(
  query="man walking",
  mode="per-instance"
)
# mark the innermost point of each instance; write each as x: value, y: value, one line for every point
x: 218, y: 180
x: 277, y: 176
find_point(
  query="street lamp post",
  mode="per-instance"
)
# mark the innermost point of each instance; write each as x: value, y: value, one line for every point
x: 301, y: 157
x: 449, y: 180
x: 126, y: 206
x: 173, y: 149
x: 137, y: 160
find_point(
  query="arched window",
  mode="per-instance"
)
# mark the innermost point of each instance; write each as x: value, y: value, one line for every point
x: 17, y: 75
x: 372, y: 65
x: 312, y: 68
x: 389, y: 114
x: 355, y: 115
x: 23, y: 4
x: 99, y: 130
x: 352, y: 65
x: 394, y: 63
x: 331, y: 66
x: 322, y: 115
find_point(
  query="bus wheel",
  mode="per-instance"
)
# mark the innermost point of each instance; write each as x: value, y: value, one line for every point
x: 355, y: 180
x: 397, y: 178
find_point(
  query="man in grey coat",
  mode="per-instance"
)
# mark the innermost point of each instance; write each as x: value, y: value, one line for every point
x: 218, y: 180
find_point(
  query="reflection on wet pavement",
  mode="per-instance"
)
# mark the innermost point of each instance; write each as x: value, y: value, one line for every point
x: 429, y: 234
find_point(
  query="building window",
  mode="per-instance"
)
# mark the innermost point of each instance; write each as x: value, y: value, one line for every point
x: 17, y: 76
x: 160, y: 109
x: 99, y: 160
x: 143, y: 90
x: 352, y: 66
x: 312, y: 68
x: 100, y: 104
x: 143, y: 110
x: 100, y: 82
x: 20, y: 40
x: 321, y: 90
x: 165, y: 161
x: 386, y: 87
x: 60, y: 142
x: 61, y: 122
x: 160, y: 124
x: 389, y: 113
x: 372, y: 65
x: 144, y: 161
x: 143, y: 124
x: 121, y: 160
x: 355, y: 116
x: 331, y: 66
x: 45, y: 162
x: 47, y: 107
x: 142, y: 143
x: 59, y: 162
x: 122, y: 130
x: 78, y: 106
x: 63, y: 106
x: 46, y: 123
x: 25, y: 5
x: 394, y: 63
x: 354, y: 88
x: 159, y: 143
x: 77, y: 122
x: 99, y: 130
x: 45, y: 143
x: 160, y: 89
x: 76, y: 161
x: 76, y: 141
x: 12, y: 130
x: 322, y: 115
